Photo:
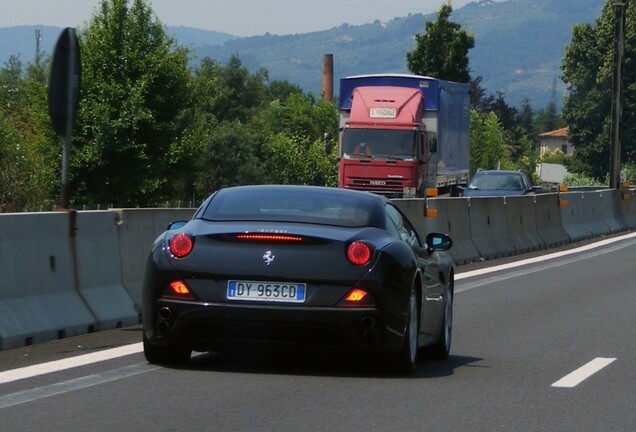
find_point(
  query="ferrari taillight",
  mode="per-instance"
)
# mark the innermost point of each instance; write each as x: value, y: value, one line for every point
x: 181, y: 245
x: 359, y: 253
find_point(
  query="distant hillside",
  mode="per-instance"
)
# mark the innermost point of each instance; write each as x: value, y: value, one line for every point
x: 191, y: 37
x: 20, y: 41
x: 518, y: 46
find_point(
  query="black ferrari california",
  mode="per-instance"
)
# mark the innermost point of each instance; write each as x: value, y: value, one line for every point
x: 302, y: 266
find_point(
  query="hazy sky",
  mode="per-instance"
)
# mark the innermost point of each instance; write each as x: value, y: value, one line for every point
x: 236, y: 17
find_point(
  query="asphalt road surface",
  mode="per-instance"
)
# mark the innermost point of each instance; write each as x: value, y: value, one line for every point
x: 545, y: 343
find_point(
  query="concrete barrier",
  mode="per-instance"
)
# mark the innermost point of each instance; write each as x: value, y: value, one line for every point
x: 138, y: 229
x: 607, y: 205
x: 450, y: 217
x: 66, y: 276
x: 488, y: 226
x: 582, y: 215
x: 39, y: 299
x: 521, y: 224
x: 549, y: 220
x: 453, y: 218
x: 99, y: 265
x: 624, y: 208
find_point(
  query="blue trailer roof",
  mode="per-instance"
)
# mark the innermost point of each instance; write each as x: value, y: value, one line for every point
x: 431, y: 87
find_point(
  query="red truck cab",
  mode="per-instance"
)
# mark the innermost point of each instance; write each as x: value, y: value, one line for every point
x: 402, y: 134
x: 382, y: 141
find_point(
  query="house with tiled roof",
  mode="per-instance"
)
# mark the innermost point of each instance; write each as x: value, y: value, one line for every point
x: 555, y: 140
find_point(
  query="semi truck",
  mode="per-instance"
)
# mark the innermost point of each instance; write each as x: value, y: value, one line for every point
x: 403, y: 135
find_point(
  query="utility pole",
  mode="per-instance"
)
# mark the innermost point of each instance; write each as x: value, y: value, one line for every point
x: 38, y: 41
x: 617, y: 96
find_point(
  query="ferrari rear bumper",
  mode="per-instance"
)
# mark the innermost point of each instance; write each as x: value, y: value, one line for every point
x: 219, y: 326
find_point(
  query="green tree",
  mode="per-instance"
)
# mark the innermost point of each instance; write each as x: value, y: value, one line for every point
x: 554, y: 157
x: 282, y: 90
x: 488, y: 148
x: 135, y: 90
x: 297, y: 160
x: 526, y: 117
x: 587, y: 69
x: 548, y: 119
x: 28, y: 148
x: 12, y: 190
x: 300, y: 115
x: 227, y: 131
x: 255, y: 132
x: 227, y: 155
x: 240, y: 94
x: 298, y: 127
x: 442, y: 51
x: 10, y: 79
x: 522, y: 144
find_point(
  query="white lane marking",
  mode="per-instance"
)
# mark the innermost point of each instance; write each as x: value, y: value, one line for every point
x: 584, y: 372
x: 542, y: 258
x: 31, y: 395
x: 69, y: 363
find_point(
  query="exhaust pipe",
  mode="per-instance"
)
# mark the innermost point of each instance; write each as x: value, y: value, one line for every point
x: 165, y: 313
x: 367, y: 322
x: 163, y: 327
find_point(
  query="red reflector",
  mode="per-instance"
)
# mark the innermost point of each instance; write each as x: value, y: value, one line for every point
x: 269, y: 237
x: 359, y: 253
x: 177, y: 290
x: 356, y: 295
x: 180, y: 288
x: 181, y: 245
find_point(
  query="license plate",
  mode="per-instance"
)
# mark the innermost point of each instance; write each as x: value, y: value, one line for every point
x: 266, y: 291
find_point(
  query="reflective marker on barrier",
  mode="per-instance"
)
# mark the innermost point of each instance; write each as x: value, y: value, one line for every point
x: 432, y: 192
x: 430, y: 212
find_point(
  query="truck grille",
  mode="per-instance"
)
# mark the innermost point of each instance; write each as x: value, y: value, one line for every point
x: 384, y: 186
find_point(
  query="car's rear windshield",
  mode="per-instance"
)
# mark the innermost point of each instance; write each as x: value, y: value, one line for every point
x: 496, y: 181
x: 289, y: 205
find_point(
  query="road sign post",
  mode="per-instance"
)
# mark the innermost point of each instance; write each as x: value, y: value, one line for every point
x: 63, y: 94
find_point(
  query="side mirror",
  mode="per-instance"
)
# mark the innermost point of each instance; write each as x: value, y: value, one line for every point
x: 438, y: 242
x: 432, y: 145
x: 328, y: 143
x: 175, y: 225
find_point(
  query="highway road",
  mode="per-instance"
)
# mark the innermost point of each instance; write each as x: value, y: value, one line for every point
x: 542, y: 343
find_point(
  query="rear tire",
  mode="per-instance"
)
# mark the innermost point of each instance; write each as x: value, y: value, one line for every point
x: 406, y: 360
x: 166, y: 355
x: 440, y: 350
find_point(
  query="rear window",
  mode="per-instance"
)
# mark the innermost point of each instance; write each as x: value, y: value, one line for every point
x: 289, y: 205
x: 496, y: 181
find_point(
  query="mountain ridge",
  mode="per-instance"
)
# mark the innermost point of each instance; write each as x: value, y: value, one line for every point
x: 518, y: 47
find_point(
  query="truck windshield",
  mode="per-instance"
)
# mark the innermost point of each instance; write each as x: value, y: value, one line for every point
x: 378, y: 143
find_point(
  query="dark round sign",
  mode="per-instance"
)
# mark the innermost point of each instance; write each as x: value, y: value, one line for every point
x: 64, y: 82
